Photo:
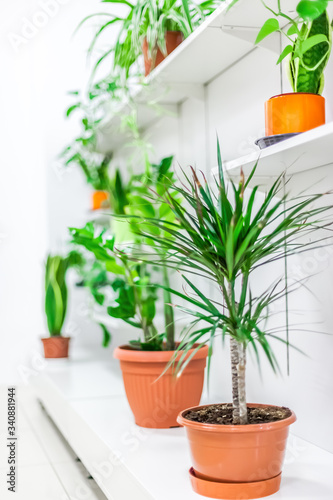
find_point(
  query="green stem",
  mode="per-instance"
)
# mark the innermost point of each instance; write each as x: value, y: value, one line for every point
x: 138, y: 304
x: 168, y: 313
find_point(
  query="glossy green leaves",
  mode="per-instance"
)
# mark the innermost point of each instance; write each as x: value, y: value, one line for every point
x: 311, y: 9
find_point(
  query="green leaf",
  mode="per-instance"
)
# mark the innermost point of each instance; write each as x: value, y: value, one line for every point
x: 72, y: 108
x: 106, y: 335
x: 270, y: 26
x: 293, y: 30
x: 112, y: 266
x: 311, y: 42
x: 311, y: 9
x: 286, y: 51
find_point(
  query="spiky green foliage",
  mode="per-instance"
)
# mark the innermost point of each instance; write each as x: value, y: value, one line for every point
x: 56, y: 290
x: 220, y: 236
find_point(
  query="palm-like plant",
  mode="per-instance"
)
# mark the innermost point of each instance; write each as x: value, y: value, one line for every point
x: 221, y: 237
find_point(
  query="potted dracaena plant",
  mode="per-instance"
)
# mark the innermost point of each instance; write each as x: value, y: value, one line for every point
x: 155, y: 401
x: 308, y: 48
x: 237, y: 448
x: 56, y: 346
x: 154, y: 28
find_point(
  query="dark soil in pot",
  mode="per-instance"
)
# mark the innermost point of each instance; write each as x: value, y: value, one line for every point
x: 221, y: 414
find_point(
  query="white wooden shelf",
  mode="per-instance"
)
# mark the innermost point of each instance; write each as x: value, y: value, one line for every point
x: 307, y: 151
x: 223, y: 39
x: 85, y: 398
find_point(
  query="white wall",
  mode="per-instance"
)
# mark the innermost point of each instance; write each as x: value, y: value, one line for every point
x: 41, y: 62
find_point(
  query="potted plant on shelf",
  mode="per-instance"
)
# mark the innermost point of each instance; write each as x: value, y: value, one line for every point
x: 309, y: 45
x: 155, y: 402
x: 152, y: 28
x: 237, y: 448
x: 56, y: 346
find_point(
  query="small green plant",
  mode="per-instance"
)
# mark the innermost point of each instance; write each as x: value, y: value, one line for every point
x: 150, y: 19
x: 56, y: 290
x: 309, y: 45
x: 157, y: 179
x: 134, y: 293
x: 224, y: 235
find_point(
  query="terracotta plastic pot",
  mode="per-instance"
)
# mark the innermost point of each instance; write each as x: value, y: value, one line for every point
x: 294, y: 113
x: 156, y: 402
x: 100, y: 199
x: 236, y: 461
x: 172, y: 38
x: 56, y: 347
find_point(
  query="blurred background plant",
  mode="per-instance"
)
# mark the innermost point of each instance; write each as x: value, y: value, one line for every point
x: 56, y: 292
x: 150, y: 19
x: 134, y: 294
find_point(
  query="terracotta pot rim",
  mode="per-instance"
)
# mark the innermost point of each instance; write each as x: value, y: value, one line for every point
x: 123, y: 353
x: 55, y: 337
x: 295, y: 93
x: 235, y: 428
x: 167, y: 32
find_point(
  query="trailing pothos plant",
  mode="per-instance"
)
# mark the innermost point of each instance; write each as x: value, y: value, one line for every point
x: 309, y: 46
x: 150, y: 19
x: 224, y: 233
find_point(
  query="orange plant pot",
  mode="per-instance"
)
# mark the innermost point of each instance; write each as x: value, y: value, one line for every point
x: 236, y: 461
x: 172, y: 39
x: 156, y: 402
x: 294, y: 113
x: 56, y: 347
x: 100, y: 199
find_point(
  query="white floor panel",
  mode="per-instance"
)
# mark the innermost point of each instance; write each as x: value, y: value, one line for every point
x: 77, y: 485
x: 50, y: 439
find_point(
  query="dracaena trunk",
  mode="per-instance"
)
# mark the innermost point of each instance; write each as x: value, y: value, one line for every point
x: 238, y: 371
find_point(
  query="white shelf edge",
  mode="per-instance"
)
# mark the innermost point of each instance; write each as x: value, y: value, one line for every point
x: 280, y: 152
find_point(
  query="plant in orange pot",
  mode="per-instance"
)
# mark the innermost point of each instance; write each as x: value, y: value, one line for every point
x: 56, y: 346
x: 154, y: 394
x: 224, y: 235
x: 308, y: 48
